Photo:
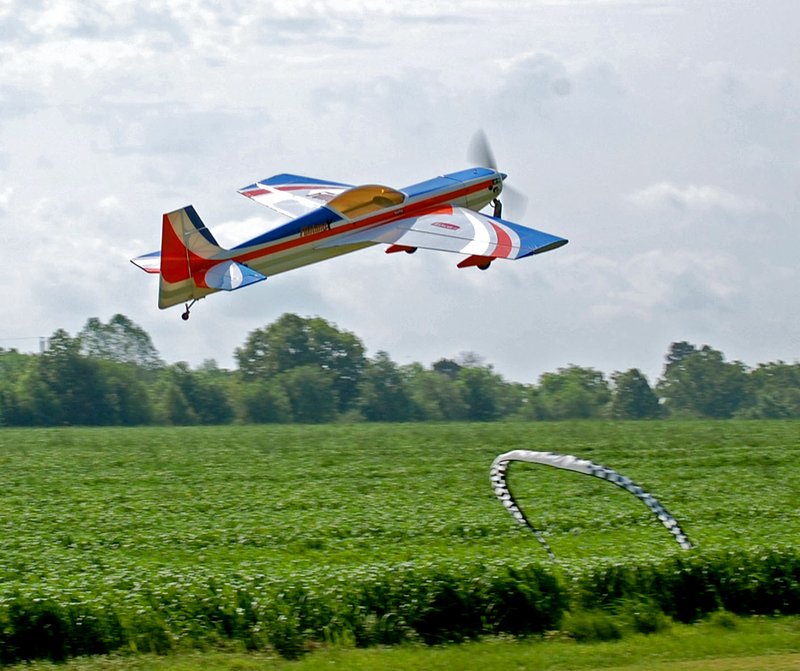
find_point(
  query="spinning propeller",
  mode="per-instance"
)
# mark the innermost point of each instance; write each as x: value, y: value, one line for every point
x: 480, y: 153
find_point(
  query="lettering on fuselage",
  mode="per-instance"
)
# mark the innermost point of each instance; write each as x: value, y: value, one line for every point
x: 313, y: 230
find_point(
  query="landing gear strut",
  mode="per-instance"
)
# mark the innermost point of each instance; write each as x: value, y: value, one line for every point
x: 185, y: 315
x: 498, y: 208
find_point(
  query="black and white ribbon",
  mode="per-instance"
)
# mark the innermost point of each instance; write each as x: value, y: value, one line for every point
x: 568, y: 462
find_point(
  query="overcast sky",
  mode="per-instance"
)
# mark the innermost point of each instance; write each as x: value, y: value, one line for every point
x: 661, y: 137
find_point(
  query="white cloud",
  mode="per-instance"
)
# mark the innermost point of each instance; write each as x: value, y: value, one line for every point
x: 669, y: 281
x: 616, y: 119
x: 233, y: 232
x: 109, y: 203
x: 698, y: 198
x: 5, y: 196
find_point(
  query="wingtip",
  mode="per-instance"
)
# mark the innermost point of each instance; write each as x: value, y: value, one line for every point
x: 150, y: 263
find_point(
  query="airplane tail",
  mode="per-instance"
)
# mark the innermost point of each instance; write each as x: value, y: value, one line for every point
x: 191, y: 262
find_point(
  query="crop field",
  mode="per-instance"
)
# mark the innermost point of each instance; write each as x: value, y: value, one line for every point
x: 152, y: 539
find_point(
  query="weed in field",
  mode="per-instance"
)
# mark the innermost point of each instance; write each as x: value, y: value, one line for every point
x: 596, y: 625
x: 643, y: 616
x: 723, y: 619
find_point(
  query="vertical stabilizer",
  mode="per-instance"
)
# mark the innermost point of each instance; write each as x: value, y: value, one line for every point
x: 188, y: 250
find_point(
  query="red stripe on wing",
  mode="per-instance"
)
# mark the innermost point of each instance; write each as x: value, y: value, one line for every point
x: 504, y: 247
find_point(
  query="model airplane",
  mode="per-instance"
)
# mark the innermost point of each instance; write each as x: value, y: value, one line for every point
x: 331, y: 218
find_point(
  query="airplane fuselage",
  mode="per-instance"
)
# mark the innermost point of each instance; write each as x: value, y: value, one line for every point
x: 311, y: 237
x: 332, y: 218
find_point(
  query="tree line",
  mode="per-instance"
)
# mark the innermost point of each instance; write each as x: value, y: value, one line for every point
x: 307, y: 370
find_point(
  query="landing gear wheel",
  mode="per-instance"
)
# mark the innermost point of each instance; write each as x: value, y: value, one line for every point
x: 485, y: 266
x: 185, y: 315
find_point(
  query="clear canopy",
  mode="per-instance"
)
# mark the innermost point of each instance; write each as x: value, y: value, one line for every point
x: 362, y: 200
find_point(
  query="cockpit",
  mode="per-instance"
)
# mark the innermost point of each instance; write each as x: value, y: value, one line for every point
x: 361, y: 200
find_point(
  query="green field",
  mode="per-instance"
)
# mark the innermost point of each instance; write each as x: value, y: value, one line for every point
x: 288, y: 537
x: 754, y: 644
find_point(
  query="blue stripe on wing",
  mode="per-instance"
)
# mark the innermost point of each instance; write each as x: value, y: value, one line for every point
x: 532, y: 241
x: 287, y: 179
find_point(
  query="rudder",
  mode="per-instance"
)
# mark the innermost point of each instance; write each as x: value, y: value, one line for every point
x: 187, y: 251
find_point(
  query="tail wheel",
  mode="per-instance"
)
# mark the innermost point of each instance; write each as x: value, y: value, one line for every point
x: 185, y: 314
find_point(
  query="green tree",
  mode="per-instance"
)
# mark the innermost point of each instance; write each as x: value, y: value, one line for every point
x: 77, y: 392
x: 703, y: 384
x: 678, y: 351
x: 573, y: 393
x: 34, y: 402
x: 483, y: 393
x: 532, y: 407
x: 311, y: 393
x: 265, y: 402
x: 382, y: 392
x: 120, y: 340
x: 447, y: 367
x: 633, y: 397
x: 126, y: 395
x: 175, y: 408
x: 294, y: 342
x: 13, y: 366
x: 435, y: 395
x: 197, y: 397
x: 775, y: 392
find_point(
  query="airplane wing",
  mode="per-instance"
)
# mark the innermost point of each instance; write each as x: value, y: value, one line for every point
x: 293, y: 195
x: 456, y: 229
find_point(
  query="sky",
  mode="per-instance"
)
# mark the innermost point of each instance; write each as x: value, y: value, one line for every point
x: 662, y: 138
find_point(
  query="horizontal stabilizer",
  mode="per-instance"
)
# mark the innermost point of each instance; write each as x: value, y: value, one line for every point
x: 150, y: 263
x: 230, y: 276
x: 191, y: 263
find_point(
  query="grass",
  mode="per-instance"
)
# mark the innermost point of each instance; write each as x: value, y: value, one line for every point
x: 164, y: 539
x: 752, y: 644
x: 295, y: 497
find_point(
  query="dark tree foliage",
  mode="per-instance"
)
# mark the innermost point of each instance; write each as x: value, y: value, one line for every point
x: 128, y: 398
x: 78, y: 393
x: 196, y: 398
x: 120, y: 340
x: 383, y: 393
x: 265, y: 402
x: 312, y: 394
x: 573, y: 393
x: 678, y: 351
x: 447, y: 367
x: 307, y: 370
x: 63, y: 386
x: 775, y: 390
x: 34, y: 402
x: 533, y: 408
x: 633, y: 397
x: 434, y: 395
x: 481, y: 390
x: 703, y: 384
x: 13, y: 366
x: 294, y: 342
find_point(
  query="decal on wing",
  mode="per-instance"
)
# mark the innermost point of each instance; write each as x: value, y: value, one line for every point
x: 459, y: 230
x: 293, y: 195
